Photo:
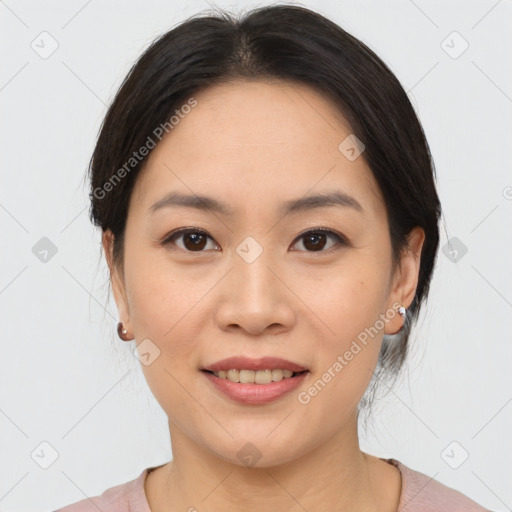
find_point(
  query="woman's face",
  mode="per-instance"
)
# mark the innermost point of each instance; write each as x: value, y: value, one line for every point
x: 253, y: 282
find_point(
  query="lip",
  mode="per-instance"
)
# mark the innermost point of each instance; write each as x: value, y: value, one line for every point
x: 255, y: 394
x: 247, y: 363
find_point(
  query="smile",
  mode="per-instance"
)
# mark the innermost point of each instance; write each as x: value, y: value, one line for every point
x: 255, y: 377
x: 251, y: 392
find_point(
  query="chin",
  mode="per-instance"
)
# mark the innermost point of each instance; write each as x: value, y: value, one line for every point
x: 258, y: 451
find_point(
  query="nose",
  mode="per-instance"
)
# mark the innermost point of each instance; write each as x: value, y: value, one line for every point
x: 255, y: 297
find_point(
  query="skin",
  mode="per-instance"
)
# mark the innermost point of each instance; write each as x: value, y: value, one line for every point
x: 254, y: 145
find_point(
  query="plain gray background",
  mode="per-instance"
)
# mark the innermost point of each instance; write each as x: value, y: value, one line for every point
x: 68, y: 382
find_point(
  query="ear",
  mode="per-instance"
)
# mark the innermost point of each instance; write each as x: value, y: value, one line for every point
x: 116, y: 279
x: 405, y: 279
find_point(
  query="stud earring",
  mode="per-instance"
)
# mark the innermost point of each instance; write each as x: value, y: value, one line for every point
x: 402, y: 311
x: 122, y: 332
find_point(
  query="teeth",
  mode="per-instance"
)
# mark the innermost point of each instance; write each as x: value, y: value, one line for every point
x: 277, y: 375
x: 234, y: 375
x: 254, y: 377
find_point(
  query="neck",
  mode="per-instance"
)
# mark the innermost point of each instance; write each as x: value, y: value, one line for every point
x: 334, y: 476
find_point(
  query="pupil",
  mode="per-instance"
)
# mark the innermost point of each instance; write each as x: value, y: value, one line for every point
x: 314, y: 244
x: 196, y: 240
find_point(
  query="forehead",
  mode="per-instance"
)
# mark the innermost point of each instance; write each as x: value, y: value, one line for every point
x: 252, y: 142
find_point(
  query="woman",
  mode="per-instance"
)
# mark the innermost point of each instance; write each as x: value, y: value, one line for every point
x: 270, y: 221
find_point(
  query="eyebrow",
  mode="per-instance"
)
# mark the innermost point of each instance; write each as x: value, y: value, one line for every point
x: 209, y: 204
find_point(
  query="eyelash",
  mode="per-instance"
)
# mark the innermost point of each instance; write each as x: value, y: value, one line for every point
x: 340, y: 239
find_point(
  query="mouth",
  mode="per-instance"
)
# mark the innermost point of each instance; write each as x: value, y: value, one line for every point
x: 245, y: 376
x: 255, y: 381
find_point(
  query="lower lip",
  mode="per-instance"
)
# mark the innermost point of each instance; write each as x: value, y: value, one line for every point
x: 255, y: 394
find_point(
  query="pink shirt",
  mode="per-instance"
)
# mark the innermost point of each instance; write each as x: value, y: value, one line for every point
x: 419, y: 494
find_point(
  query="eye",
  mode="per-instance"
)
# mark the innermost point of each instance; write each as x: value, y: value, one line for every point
x: 194, y: 240
x: 315, y: 239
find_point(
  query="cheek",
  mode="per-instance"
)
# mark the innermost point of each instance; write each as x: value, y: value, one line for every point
x: 161, y: 310
x: 350, y: 346
x: 348, y: 303
x: 160, y: 295
x: 346, y: 300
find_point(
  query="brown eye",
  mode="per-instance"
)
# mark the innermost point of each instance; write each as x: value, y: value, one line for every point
x: 194, y: 240
x: 316, y: 240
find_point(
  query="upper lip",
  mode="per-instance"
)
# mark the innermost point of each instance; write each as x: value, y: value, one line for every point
x: 247, y: 363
